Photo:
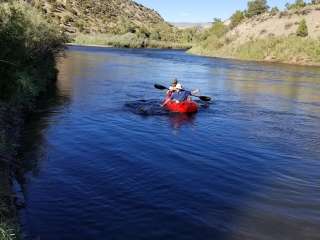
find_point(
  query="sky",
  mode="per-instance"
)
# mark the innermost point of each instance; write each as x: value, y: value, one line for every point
x: 201, y: 10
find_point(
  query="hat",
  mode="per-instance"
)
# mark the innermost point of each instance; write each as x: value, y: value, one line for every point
x: 179, y: 86
x: 175, y: 81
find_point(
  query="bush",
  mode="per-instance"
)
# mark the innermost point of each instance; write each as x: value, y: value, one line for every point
x: 7, y: 232
x: 257, y: 7
x: 128, y: 40
x: 274, y: 11
x: 218, y: 28
x: 236, y: 18
x: 28, y: 48
x: 298, y: 4
x: 302, y: 30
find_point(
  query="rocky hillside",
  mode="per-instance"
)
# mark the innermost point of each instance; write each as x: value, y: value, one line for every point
x: 99, y: 16
x: 290, y: 36
x: 280, y: 24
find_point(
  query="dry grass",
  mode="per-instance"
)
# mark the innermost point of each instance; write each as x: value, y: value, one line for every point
x: 290, y: 49
x: 128, y: 40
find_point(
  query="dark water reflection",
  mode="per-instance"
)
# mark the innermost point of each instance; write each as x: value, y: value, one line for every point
x: 111, y: 164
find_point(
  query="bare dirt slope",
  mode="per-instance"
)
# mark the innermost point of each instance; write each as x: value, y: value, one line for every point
x: 281, y: 24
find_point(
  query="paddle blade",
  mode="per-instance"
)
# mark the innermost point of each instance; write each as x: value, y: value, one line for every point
x: 160, y: 87
x: 205, y: 98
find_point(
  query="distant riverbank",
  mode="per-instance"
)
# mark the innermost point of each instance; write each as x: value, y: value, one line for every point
x: 202, y: 52
x: 128, y: 40
x: 290, y: 50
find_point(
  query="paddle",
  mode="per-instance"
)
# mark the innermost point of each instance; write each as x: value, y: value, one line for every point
x: 203, y: 98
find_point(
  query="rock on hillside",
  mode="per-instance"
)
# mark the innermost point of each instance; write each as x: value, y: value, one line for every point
x: 99, y: 16
x: 279, y: 24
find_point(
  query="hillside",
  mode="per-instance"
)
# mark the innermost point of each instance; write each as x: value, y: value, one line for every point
x: 99, y: 16
x: 270, y: 36
x: 280, y: 24
x: 119, y: 23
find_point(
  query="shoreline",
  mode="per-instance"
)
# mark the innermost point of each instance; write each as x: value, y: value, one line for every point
x: 206, y: 55
x: 288, y: 63
x: 110, y: 46
x: 9, y: 223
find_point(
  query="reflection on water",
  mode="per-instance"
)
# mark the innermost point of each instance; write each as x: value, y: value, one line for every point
x: 179, y: 119
x: 32, y: 139
x: 109, y: 161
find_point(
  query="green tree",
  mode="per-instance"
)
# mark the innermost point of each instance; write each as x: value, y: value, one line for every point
x: 218, y: 28
x: 302, y: 30
x: 236, y: 18
x: 296, y: 5
x: 257, y: 7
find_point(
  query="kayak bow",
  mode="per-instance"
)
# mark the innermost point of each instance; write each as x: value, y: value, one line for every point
x: 187, y: 106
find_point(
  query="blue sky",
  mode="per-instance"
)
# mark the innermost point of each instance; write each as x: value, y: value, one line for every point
x: 200, y: 10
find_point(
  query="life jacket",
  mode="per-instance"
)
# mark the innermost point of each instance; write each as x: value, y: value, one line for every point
x: 180, y: 96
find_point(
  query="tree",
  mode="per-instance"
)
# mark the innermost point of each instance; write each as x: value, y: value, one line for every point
x: 218, y: 28
x: 257, y: 7
x: 302, y: 30
x: 236, y: 18
x: 296, y: 5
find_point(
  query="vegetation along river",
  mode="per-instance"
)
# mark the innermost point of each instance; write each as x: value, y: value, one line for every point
x: 104, y: 161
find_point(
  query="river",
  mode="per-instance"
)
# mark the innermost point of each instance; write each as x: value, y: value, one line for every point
x: 103, y: 161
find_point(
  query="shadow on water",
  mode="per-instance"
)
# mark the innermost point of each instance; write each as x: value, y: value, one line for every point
x: 152, y: 107
x: 32, y: 136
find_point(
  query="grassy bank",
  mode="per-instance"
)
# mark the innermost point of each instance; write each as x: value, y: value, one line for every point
x: 28, y: 49
x: 128, y: 40
x: 292, y: 49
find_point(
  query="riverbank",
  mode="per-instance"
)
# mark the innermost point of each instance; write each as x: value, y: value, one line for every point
x: 28, y: 51
x: 200, y: 52
x: 128, y: 40
x: 289, y: 50
x: 10, y: 125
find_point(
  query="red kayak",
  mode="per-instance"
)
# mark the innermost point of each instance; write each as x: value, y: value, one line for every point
x: 187, y: 106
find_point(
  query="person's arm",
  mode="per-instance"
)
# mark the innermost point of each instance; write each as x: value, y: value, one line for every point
x: 166, y: 101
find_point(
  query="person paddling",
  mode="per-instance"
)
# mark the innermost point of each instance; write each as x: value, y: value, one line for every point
x: 179, y: 95
x: 172, y: 88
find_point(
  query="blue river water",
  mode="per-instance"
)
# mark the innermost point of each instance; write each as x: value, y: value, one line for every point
x: 104, y: 161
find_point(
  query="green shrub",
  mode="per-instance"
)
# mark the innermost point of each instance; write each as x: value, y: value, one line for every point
x: 274, y: 11
x: 7, y: 232
x: 218, y: 28
x: 28, y: 48
x: 236, y: 18
x: 257, y: 7
x: 128, y: 40
x: 296, y: 5
x: 302, y: 30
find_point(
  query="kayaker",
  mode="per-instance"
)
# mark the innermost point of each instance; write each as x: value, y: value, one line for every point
x: 172, y: 88
x: 180, y: 94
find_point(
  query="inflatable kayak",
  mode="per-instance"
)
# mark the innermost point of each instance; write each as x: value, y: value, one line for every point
x: 187, y: 106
